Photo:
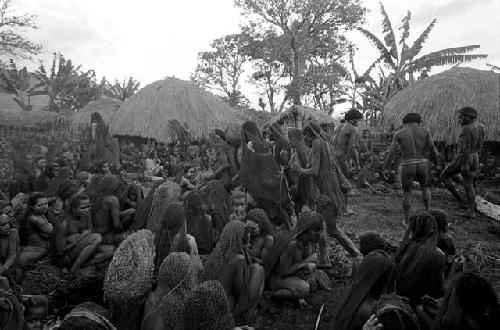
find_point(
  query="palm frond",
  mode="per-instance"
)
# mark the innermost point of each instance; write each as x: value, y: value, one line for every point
x: 384, y: 52
x: 389, y: 37
x: 405, y: 27
x: 419, y: 43
x: 428, y: 62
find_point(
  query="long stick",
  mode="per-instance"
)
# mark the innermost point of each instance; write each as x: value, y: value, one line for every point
x: 319, y: 317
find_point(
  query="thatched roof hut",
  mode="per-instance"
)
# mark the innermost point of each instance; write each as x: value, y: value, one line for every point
x: 438, y: 97
x: 259, y: 117
x: 156, y: 111
x: 105, y: 106
x: 297, y: 115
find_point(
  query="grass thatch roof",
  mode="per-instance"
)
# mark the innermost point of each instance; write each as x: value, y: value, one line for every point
x: 156, y: 110
x: 105, y: 106
x: 301, y: 114
x: 438, y: 97
x: 259, y: 117
x: 32, y: 119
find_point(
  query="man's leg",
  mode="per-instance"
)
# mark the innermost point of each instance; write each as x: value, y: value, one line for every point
x: 423, y: 179
x: 324, y: 260
x: 449, y: 172
x: 407, y: 178
x: 256, y: 285
x: 289, y: 288
x: 330, y: 213
x: 470, y: 195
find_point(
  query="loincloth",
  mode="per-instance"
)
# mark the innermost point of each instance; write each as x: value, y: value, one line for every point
x: 414, y: 161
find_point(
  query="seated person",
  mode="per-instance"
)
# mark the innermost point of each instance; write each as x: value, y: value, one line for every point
x: 75, y: 244
x: 171, y: 236
x: 420, y: 262
x: 392, y: 313
x: 291, y: 261
x: 105, y: 210
x: 35, y: 230
x: 374, y: 278
x: 11, y: 309
x: 56, y: 206
x: 87, y: 316
x: 444, y: 241
x: 261, y: 238
x: 230, y: 264
x: 199, y: 223
x: 470, y: 302
x: 239, y: 204
x: 9, y: 244
x: 207, y: 308
x: 7, y: 209
x: 176, y: 279
x: 369, y: 242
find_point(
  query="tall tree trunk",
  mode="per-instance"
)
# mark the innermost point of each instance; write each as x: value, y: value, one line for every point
x: 295, y: 85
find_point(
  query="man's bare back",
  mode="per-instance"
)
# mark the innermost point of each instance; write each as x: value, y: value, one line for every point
x: 107, y: 220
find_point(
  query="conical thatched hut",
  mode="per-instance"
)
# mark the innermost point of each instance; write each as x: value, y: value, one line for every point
x: 438, y: 97
x: 105, y: 106
x: 161, y: 109
x: 296, y: 116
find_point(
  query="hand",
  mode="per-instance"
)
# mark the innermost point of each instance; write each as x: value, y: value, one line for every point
x: 372, y: 324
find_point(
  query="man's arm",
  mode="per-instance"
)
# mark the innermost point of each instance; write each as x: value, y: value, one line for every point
x: 432, y: 148
x: 392, y: 151
x: 114, y: 210
x: 467, y: 147
x: 315, y: 160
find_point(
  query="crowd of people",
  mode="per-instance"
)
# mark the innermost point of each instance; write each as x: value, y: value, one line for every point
x: 221, y: 231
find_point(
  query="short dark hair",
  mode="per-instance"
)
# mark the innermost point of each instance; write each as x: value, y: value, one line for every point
x: 353, y: 114
x: 238, y: 195
x: 370, y: 241
x: 34, y: 197
x: 468, y: 111
x: 412, y: 117
x: 77, y: 199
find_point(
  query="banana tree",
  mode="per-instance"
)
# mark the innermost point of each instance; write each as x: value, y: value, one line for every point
x: 17, y: 82
x: 122, y: 91
x: 403, y: 61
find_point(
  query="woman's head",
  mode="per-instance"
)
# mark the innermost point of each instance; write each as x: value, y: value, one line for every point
x: 422, y: 225
x: 258, y: 220
x: 38, y: 203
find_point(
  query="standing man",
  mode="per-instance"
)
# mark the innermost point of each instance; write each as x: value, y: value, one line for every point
x: 329, y: 202
x: 415, y: 143
x: 467, y: 159
x: 344, y: 141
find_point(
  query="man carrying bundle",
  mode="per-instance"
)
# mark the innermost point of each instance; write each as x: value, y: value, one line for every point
x: 467, y: 159
x: 415, y: 143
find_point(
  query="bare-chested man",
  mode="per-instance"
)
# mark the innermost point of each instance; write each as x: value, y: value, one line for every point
x: 416, y: 144
x: 467, y: 159
x: 75, y: 243
x: 35, y: 230
x: 344, y: 141
x: 106, y: 211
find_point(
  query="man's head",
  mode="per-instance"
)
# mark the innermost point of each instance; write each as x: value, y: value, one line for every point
x: 80, y: 206
x: 258, y: 221
x: 441, y: 219
x: 83, y: 178
x: 466, y: 115
x: 310, y: 134
x: 38, y: 203
x: 412, y: 118
x: 6, y: 208
x: 104, y: 168
x: 4, y: 225
x: 239, y: 203
x: 366, y: 133
x: 353, y: 116
x: 40, y: 163
x: 315, y: 229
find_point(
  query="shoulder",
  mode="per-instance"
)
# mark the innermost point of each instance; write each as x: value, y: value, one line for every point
x: 112, y: 200
x: 269, y: 239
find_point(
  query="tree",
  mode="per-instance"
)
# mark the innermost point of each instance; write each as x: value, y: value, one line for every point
x: 67, y: 87
x: 17, y: 82
x: 122, y: 91
x: 220, y: 69
x: 271, y: 63
x: 403, y: 63
x: 12, y: 43
x: 305, y: 25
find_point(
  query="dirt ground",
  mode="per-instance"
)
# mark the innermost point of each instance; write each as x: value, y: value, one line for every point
x: 381, y: 213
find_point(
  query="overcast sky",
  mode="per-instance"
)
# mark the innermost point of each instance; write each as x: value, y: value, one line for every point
x: 152, y: 39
